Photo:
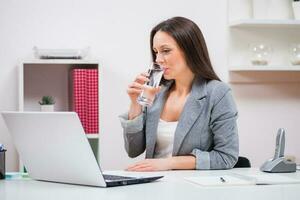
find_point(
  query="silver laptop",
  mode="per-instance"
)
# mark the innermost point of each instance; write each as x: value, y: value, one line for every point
x: 53, y: 147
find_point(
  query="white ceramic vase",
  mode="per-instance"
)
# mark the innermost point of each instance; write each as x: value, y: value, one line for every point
x: 240, y: 9
x: 272, y: 9
x: 259, y: 9
x: 296, y: 9
x: 47, y: 108
x: 280, y: 9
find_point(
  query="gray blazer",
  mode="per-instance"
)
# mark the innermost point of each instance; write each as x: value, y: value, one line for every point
x: 206, y: 128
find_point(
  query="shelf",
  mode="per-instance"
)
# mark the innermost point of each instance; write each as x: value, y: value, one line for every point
x: 92, y: 136
x: 60, y: 61
x: 265, y: 68
x: 265, y: 23
x: 39, y: 77
x: 264, y: 74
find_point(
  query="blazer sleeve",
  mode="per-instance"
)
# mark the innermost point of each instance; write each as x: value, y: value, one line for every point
x: 134, y: 134
x: 223, y: 126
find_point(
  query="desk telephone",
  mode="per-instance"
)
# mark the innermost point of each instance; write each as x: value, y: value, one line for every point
x: 278, y: 164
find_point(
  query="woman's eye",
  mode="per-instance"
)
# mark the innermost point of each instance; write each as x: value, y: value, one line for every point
x: 166, y: 51
x: 163, y: 52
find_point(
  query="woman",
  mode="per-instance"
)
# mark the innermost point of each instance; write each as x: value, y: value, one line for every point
x: 192, y: 122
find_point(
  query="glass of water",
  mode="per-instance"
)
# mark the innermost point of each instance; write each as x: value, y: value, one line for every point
x: 148, y: 93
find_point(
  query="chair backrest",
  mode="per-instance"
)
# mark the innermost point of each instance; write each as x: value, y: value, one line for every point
x: 242, y: 162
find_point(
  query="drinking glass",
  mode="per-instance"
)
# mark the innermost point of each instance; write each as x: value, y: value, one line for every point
x: 295, y: 54
x: 148, y: 93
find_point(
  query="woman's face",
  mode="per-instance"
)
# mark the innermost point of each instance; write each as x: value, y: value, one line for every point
x: 169, y: 56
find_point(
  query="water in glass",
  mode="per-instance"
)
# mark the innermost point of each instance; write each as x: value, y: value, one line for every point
x: 148, y: 93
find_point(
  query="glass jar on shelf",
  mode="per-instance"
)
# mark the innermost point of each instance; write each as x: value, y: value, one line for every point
x: 295, y: 54
x: 260, y: 53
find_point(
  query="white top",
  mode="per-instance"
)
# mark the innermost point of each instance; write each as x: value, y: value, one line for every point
x: 165, y: 139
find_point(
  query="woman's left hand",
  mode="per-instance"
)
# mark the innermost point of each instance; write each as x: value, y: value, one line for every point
x: 160, y: 164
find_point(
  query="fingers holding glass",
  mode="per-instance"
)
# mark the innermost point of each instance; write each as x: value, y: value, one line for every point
x: 149, y: 90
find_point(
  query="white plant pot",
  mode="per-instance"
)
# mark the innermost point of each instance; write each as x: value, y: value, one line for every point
x: 240, y: 9
x: 259, y: 9
x: 280, y: 9
x: 47, y: 108
x: 296, y: 9
x: 272, y: 9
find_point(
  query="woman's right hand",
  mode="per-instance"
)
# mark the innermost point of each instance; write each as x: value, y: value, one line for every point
x: 135, y: 88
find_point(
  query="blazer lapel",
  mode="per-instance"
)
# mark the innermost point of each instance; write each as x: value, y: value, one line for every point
x: 153, y: 116
x: 191, y: 111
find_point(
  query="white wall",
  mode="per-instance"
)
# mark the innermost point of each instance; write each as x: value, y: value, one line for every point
x: 118, y: 34
x: 263, y: 109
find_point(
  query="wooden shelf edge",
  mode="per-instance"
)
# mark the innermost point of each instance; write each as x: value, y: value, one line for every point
x: 264, y: 77
x: 265, y: 68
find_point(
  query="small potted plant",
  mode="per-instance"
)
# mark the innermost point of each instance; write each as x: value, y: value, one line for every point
x: 47, y: 104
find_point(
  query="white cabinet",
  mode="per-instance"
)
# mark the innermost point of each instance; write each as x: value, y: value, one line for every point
x: 39, y: 77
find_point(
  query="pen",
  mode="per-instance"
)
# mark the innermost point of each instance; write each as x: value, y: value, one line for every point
x: 222, y: 180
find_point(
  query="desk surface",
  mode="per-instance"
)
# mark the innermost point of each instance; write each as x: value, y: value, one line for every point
x: 173, y: 186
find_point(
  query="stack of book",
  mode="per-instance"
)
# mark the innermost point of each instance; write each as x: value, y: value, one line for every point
x: 85, y: 98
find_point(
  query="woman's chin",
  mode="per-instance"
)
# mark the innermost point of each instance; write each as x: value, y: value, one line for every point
x: 168, y: 77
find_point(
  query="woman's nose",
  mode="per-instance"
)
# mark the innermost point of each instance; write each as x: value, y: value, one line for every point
x: 159, y: 58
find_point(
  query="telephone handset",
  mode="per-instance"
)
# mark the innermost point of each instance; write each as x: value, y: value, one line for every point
x: 280, y: 144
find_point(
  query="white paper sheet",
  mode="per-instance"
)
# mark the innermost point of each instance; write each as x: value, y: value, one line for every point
x: 217, y: 181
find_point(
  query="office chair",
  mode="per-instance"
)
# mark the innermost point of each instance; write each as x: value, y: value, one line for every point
x: 242, y: 162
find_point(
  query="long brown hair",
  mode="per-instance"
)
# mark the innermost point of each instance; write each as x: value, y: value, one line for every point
x: 191, y: 41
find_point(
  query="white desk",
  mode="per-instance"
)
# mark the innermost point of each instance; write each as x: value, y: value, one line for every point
x: 172, y: 186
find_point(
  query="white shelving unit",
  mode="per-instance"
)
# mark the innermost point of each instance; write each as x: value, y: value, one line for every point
x: 279, y: 34
x: 39, y: 77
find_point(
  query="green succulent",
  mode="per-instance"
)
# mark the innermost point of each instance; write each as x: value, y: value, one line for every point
x: 47, y: 100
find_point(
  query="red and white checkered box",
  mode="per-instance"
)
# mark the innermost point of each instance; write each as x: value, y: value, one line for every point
x: 85, y: 94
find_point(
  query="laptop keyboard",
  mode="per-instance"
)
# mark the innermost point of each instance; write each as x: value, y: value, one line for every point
x: 115, y: 178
